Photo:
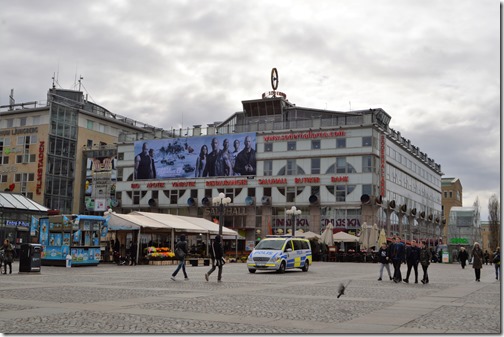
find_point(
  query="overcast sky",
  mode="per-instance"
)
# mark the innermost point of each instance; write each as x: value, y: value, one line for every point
x: 432, y: 65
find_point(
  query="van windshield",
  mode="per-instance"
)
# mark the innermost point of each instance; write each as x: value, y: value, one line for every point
x: 270, y: 244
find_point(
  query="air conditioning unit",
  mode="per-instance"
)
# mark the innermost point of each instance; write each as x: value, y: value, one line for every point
x: 314, y: 199
x: 365, y: 199
x: 266, y: 200
x: 191, y: 202
x: 379, y: 200
x: 249, y: 201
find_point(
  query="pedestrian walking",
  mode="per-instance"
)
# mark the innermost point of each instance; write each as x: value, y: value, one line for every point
x: 217, y: 256
x: 477, y: 256
x: 496, y: 262
x: 398, y: 257
x: 412, y: 259
x: 133, y: 254
x: 463, y: 256
x: 384, y: 258
x: 486, y: 256
x: 180, y: 254
x: 8, y: 251
x: 425, y: 257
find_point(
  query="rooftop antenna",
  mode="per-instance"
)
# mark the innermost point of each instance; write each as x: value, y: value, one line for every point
x: 350, y: 104
x: 53, y: 85
x: 11, y: 100
x: 80, y: 79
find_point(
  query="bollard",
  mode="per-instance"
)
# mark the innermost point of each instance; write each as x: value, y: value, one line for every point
x: 69, y: 261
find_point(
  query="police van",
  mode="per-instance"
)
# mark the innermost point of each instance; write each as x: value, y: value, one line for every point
x: 280, y: 253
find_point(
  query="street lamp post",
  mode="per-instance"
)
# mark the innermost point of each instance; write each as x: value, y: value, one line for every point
x: 221, y: 201
x: 293, y: 211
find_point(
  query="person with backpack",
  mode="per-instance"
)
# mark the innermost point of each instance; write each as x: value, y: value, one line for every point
x: 217, y: 256
x: 180, y: 254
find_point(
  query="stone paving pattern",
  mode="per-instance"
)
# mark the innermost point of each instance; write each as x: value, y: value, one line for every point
x: 111, y: 299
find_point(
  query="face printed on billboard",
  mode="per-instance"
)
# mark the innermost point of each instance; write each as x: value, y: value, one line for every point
x: 206, y: 156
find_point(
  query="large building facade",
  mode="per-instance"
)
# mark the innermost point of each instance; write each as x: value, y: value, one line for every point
x: 51, y: 152
x: 343, y: 168
x: 451, y: 197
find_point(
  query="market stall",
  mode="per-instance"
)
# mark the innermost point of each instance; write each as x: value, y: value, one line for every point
x: 75, y: 235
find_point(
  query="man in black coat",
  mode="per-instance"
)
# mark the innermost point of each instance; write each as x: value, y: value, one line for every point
x: 463, y: 256
x: 398, y: 257
x: 412, y: 259
x: 217, y: 256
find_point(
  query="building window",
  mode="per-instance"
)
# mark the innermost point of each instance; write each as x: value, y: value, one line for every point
x: 136, y: 197
x: 451, y: 194
x: 35, y: 120
x: 340, y: 193
x: 90, y: 124
x: 3, y: 178
x: 367, y: 164
x: 445, y: 194
x: 315, y: 144
x: 341, y: 165
x: 458, y: 195
x: 291, y: 146
x: 268, y: 168
x: 367, y: 189
x: 89, y: 143
x: 291, y: 167
x: 315, y: 165
x: 173, y: 197
x: 22, y: 121
x: 340, y: 143
x: 101, y: 128
x: 268, y: 147
x: 291, y: 194
x: 367, y: 141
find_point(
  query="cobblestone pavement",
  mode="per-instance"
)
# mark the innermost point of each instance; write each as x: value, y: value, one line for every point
x: 143, y: 299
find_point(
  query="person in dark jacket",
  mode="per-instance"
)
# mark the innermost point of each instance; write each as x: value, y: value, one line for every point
x: 496, y: 262
x: 133, y: 254
x: 398, y: 257
x: 463, y: 256
x: 425, y: 257
x: 412, y: 259
x: 217, y: 256
x: 181, y: 253
x: 384, y: 259
x: 8, y: 255
x: 477, y: 255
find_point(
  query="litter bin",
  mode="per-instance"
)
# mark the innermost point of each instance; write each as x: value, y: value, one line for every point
x: 29, y: 257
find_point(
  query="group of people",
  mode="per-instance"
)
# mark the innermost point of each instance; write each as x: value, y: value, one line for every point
x: 398, y: 253
x: 216, y: 255
x: 224, y: 162
x: 478, y: 258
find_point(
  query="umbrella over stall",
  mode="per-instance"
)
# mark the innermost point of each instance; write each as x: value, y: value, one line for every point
x: 327, y: 235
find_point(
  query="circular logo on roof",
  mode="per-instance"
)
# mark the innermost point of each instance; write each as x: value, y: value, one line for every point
x: 274, y: 78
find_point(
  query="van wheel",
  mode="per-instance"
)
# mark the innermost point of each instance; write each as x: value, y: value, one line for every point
x: 306, y: 266
x: 281, y: 269
x: 252, y: 271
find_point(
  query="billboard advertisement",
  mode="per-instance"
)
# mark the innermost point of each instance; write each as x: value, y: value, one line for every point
x: 205, y: 156
x: 101, y: 178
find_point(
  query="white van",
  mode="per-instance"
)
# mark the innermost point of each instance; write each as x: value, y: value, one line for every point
x: 280, y: 253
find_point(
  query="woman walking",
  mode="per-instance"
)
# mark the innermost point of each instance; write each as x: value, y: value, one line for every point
x: 180, y: 254
x: 477, y: 256
x: 425, y: 258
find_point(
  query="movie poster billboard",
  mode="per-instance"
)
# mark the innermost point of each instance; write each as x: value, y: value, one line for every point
x: 193, y: 157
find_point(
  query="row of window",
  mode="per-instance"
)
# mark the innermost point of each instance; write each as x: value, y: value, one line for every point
x: 22, y: 121
x: 408, y: 163
x: 340, y: 166
x: 449, y: 194
x: 315, y: 144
